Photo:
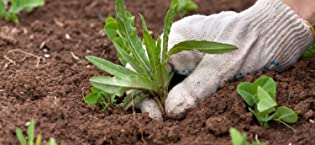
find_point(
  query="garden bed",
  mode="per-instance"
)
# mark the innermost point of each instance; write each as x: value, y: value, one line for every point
x: 44, y: 76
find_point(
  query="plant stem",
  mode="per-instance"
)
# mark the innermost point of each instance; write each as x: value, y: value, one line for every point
x: 158, y: 101
x: 285, y: 124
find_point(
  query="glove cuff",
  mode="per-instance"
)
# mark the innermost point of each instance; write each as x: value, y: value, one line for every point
x: 280, y: 27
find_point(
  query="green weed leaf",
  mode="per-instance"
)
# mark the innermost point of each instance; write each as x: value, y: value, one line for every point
x: 309, y: 52
x: 30, y: 132
x: 110, y: 67
x: 168, y: 21
x: 38, y: 140
x: 147, y: 71
x: 20, y: 136
x: 131, y: 82
x: 202, y: 46
x: 129, y: 32
x: 185, y: 6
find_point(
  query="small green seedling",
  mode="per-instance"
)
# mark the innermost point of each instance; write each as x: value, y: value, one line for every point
x: 147, y: 57
x: 310, y: 52
x: 10, y: 8
x: 260, y: 97
x: 184, y: 7
x: 239, y: 139
x: 30, y: 134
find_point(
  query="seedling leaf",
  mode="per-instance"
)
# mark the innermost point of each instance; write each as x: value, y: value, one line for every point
x: 111, y: 28
x: 238, y: 138
x: 286, y: 114
x: 263, y: 106
x: 266, y: 102
x: 91, y: 98
x: 51, y: 142
x: 268, y: 84
x: 246, y: 90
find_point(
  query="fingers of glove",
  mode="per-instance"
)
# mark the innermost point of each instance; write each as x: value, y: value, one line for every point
x: 185, y: 62
x: 148, y: 105
x: 205, y: 80
x: 196, y: 27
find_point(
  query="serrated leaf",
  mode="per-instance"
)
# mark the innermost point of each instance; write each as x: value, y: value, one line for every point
x: 238, y: 138
x: 20, y: 136
x: 287, y: 115
x: 150, y: 46
x: 168, y: 21
x: 124, y: 56
x: 202, y: 46
x: 246, y: 90
x: 129, y: 32
x: 110, y: 67
x: 266, y: 102
x: 268, y: 84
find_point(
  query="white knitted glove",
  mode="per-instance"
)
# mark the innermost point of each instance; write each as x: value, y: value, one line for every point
x: 269, y: 36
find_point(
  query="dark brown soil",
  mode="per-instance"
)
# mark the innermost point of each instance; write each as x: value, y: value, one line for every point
x: 59, y: 35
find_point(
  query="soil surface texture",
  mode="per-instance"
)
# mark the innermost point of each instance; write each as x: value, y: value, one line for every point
x: 43, y: 75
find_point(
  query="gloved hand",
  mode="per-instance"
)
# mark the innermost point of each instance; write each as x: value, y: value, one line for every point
x: 269, y: 35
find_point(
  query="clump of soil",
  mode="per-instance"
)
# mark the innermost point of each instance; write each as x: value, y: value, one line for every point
x: 44, y: 76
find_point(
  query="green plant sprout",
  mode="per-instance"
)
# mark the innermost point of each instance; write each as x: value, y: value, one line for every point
x: 260, y: 97
x: 30, y: 134
x: 185, y: 6
x: 310, y: 52
x: 10, y: 8
x: 239, y: 139
x: 147, y: 57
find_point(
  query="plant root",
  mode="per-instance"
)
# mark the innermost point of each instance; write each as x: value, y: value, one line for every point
x: 27, y: 54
